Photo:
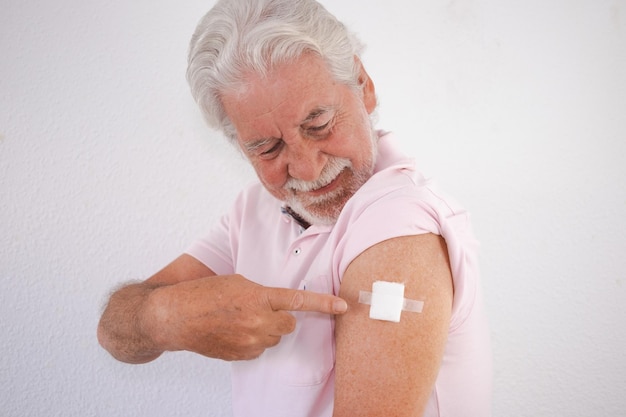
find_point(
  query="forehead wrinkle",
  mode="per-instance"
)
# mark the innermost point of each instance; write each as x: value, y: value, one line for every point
x: 254, y: 140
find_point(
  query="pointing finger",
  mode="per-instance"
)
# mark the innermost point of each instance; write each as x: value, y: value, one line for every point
x: 300, y: 300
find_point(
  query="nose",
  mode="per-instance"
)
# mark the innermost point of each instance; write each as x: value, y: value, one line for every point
x: 305, y: 161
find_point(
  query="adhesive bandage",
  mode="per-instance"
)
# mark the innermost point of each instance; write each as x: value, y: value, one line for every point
x: 387, y: 301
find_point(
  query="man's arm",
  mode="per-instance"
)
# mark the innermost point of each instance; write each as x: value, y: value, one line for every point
x: 385, y: 368
x: 124, y: 329
x: 186, y: 306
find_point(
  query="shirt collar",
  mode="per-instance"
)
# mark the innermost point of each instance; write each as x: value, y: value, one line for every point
x: 289, y: 211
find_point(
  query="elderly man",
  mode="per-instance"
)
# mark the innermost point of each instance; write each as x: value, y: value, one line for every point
x: 274, y: 287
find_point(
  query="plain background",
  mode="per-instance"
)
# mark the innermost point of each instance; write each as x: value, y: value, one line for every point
x: 107, y: 172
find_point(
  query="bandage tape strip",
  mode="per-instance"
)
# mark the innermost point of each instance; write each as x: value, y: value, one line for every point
x: 387, y: 301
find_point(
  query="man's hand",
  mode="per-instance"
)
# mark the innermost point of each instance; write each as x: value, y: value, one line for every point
x: 185, y: 306
x: 227, y: 317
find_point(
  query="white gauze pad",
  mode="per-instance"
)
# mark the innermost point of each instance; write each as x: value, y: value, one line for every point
x: 387, y: 301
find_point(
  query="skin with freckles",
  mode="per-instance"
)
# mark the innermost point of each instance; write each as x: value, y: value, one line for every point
x: 397, y: 362
x: 308, y: 138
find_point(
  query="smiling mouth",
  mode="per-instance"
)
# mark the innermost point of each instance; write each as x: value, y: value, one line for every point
x: 315, y: 189
x: 327, y: 180
x: 326, y: 188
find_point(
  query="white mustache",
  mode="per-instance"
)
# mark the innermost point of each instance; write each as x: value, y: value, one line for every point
x: 332, y: 169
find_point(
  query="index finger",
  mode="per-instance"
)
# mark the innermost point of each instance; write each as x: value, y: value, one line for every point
x: 301, y: 300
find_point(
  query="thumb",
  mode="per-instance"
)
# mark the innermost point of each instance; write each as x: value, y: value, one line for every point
x: 300, y: 300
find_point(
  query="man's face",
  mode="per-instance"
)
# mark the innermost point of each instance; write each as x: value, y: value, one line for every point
x: 308, y: 137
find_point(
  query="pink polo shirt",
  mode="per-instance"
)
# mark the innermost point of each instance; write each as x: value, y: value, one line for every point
x: 259, y: 241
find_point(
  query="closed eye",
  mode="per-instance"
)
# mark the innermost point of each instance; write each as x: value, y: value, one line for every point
x: 273, y: 151
x: 320, y: 131
x: 319, y: 121
x: 319, y: 128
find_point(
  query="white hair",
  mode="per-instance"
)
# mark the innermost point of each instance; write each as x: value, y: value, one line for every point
x: 240, y: 36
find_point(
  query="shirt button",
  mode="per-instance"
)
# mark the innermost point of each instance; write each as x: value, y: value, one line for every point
x: 297, y: 251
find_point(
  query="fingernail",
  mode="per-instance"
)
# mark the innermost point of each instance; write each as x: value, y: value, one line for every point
x: 340, y: 306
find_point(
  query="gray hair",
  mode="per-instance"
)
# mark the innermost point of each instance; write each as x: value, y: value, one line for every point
x: 239, y: 36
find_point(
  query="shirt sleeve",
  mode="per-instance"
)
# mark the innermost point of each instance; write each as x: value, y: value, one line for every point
x: 218, y: 248
x: 213, y: 249
x: 412, y: 208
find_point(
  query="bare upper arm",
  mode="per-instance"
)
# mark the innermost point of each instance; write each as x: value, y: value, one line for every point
x: 183, y: 268
x: 387, y: 368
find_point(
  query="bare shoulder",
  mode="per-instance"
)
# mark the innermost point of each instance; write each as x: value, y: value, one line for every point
x: 395, y: 361
x: 416, y: 260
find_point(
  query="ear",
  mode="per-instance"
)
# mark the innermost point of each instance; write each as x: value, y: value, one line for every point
x: 367, y: 87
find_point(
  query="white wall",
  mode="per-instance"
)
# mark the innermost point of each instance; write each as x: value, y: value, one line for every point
x: 107, y: 172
